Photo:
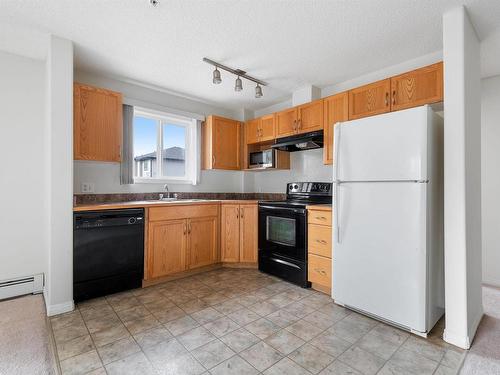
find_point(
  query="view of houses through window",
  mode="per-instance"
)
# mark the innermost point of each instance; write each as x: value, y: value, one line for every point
x: 154, y: 135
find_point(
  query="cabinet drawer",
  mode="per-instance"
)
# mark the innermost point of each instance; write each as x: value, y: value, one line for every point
x: 320, y: 270
x: 319, y: 240
x: 182, y: 212
x: 319, y: 217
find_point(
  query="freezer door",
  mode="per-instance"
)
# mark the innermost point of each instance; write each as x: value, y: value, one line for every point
x: 391, y: 146
x: 379, y: 256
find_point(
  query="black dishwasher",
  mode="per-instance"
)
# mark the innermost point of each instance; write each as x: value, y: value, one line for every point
x: 108, y: 252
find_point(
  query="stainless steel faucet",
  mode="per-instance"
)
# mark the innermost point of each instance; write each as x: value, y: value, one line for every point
x: 165, y: 187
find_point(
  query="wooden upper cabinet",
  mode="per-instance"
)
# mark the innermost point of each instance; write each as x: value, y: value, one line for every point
x: 418, y: 87
x: 97, y: 123
x: 310, y: 116
x: 286, y: 122
x: 221, y: 140
x: 166, y: 247
x: 202, y: 241
x: 335, y: 109
x: 248, y: 233
x: 230, y: 237
x: 370, y: 100
x: 252, y: 130
x: 267, y: 128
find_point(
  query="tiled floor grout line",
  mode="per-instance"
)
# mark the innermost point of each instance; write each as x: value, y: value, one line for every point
x: 92, y: 339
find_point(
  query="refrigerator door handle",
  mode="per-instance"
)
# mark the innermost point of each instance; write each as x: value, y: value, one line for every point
x: 336, y: 164
x: 336, y: 223
x: 336, y: 140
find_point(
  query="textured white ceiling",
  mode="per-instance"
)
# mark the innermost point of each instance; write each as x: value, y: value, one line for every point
x: 288, y: 43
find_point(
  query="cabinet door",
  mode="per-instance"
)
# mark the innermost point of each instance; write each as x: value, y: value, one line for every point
x: 248, y: 233
x: 202, y: 241
x: 97, y: 124
x: 418, y: 87
x: 286, y: 122
x: 267, y: 129
x: 370, y: 100
x: 167, y: 247
x: 310, y: 117
x: 226, y: 149
x: 252, y: 130
x: 336, y: 109
x: 230, y: 237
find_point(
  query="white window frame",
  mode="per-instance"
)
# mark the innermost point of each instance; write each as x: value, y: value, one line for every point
x: 190, y: 152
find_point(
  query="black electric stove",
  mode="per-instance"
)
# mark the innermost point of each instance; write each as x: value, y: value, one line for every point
x: 283, y: 230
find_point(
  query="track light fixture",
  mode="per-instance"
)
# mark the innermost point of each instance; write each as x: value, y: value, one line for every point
x: 238, y: 85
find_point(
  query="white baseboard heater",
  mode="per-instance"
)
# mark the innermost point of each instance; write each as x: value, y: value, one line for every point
x: 21, y: 285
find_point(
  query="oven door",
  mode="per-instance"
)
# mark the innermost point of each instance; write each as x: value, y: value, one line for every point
x: 282, y: 231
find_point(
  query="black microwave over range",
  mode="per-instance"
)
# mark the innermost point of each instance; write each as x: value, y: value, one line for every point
x: 283, y: 231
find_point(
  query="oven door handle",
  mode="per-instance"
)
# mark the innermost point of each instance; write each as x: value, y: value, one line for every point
x: 295, y: 210
x: 285, y: 263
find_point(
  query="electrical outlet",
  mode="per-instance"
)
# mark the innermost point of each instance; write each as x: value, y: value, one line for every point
x: 87, y: 187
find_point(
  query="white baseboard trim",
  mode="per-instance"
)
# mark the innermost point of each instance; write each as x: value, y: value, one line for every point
x: 456, y: 339
x: 462, y: 341
x: 59, y: 308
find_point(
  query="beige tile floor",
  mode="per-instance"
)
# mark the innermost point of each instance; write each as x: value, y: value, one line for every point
x: 234, y: 321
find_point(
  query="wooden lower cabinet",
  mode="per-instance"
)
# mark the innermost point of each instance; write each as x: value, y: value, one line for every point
x: 230, y: 233
x: 202, y: 241
x: 319, y: 248
x: 249, y: 217
x: 167, y: 242
x: 239, y: 233
x: 181, y: 238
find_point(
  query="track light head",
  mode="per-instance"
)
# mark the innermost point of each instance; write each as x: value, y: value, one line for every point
x: 258, y: 91
x: 238, y: 85
x: 217, y: 79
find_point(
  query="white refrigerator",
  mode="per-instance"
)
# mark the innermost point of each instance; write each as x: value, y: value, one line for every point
x: 388, y: 218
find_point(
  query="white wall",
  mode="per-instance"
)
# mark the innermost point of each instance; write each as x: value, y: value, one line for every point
x: 59, y: 85
x: 106, y: 176
x: 23, y: 240
x: 490, y: 178
x: 304, y: 166
x: 462, y: 177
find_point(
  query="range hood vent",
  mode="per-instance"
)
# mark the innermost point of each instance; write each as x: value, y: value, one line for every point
x: 300, y: 142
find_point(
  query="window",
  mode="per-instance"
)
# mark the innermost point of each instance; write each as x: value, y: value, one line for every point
x: 164, y: 147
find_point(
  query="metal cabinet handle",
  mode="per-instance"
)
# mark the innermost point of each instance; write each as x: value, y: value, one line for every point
x: 189, y: 229
x: 237, y: 213
x: 393, y: 96
x: 294, y: 125
x: 185, y: 228
x: 320, y: 271
x: 320, y: 217
x: 300, y: 124
x: 242, y: 210
x: 386, y: 98
x: 321, y: 241
x: 213, y: 160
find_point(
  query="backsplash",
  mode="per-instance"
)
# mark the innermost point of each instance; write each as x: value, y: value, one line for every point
x: 79, y: 199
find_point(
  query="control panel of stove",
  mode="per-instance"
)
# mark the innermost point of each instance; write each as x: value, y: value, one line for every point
x: 309, y: 187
